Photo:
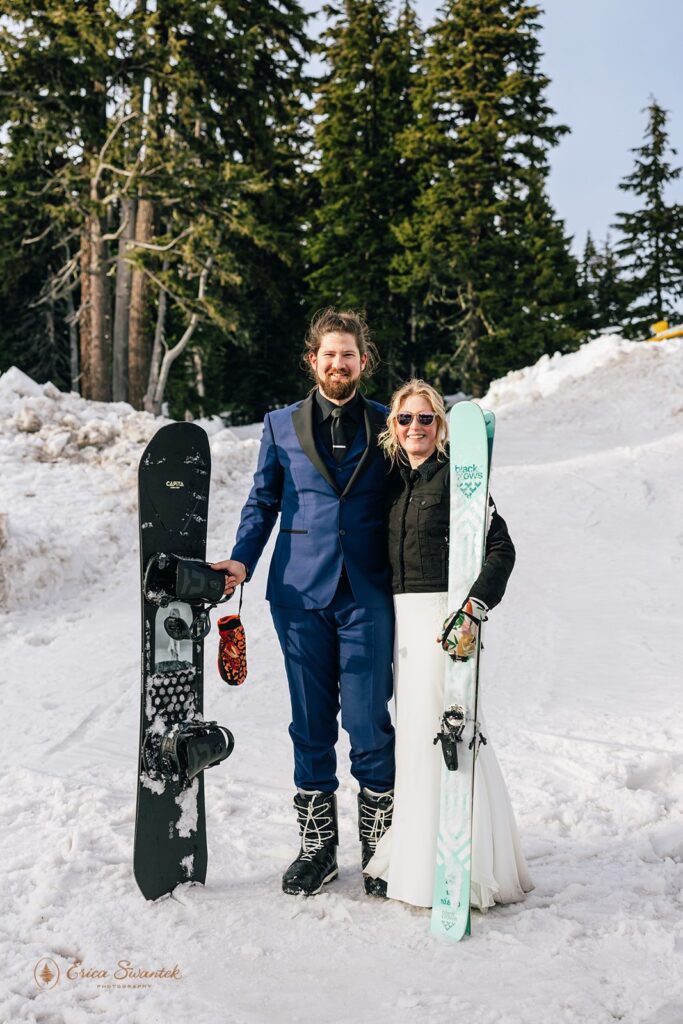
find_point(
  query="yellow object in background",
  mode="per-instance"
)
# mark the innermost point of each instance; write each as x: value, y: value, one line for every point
x: 661, y: 330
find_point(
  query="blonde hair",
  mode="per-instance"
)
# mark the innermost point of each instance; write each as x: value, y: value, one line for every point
x: 388, y: 439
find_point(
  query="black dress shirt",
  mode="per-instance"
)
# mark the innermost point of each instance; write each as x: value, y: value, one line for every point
x: 352, y: 417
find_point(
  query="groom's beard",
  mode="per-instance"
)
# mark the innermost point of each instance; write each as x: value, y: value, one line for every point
x: 338, y: 385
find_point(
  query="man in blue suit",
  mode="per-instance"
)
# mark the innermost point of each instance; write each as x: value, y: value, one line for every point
x: 321, y: 470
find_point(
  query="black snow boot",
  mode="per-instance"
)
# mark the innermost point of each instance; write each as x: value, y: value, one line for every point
x: 317, y: 861
x: 375, y: 811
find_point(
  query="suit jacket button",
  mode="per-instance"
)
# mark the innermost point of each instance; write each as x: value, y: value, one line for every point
x: 342, y: 533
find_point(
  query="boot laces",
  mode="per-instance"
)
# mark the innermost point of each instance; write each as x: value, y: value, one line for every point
x: 375, y: 820
x: 315, y: 823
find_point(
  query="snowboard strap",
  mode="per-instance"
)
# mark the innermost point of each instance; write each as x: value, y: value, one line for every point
x: 169, y: 577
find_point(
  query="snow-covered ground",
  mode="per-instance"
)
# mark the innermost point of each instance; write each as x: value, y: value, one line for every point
x: 582, y: 689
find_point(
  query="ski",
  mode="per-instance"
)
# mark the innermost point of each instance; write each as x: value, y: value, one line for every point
x: 471, y: 443
x: 176, y: 745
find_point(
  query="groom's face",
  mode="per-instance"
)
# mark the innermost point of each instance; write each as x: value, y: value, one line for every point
x: 338, y: 365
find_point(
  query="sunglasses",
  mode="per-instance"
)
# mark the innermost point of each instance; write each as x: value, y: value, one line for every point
x: 425, y: 419
x: 178, y: 629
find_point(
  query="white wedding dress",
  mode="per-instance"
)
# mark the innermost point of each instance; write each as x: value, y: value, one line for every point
x: 406, y: 854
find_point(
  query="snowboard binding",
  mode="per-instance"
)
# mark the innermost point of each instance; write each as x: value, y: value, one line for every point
x: 178, y: 629
x: 169, y: 578
x: 185, y: 750
x: 450, y: 734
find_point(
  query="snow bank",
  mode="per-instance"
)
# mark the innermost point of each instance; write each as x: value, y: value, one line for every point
x: 50, y: 424
x: 68, y: 502
x: 611, y: 393
x: 550, y: 373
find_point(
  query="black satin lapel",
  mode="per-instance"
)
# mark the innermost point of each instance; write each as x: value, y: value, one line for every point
x: 374, y: 424
x: 302, y: 418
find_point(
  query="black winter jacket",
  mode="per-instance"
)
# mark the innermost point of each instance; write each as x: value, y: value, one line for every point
x: 418, y: 527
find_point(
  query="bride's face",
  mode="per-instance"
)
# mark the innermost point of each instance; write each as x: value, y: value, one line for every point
x: 417, y: 436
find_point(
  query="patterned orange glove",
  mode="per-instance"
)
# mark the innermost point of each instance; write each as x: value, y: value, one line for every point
x: 460, y: 630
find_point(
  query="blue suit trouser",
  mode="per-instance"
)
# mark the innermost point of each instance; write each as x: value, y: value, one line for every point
x: 339, y: 657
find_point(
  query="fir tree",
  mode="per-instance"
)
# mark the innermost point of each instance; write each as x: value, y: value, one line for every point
x: 606, y: 291
x: 543, y: 308
x: 651, y: 244
x: 588, y: 261
x: 483, y: 247
x: 364, y: 188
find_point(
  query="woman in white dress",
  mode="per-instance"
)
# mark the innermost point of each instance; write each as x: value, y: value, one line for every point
x: 405, y: 856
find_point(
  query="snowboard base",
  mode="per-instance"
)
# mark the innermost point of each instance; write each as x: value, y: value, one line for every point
x: 170, y: 824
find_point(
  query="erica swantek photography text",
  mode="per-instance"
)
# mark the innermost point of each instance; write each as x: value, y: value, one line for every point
x: 124, y: 971
x: 124, y: 974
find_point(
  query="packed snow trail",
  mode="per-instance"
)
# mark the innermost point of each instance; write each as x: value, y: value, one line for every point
x: 581, y: 682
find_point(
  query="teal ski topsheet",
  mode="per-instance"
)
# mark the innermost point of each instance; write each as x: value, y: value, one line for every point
x: 471, y: 441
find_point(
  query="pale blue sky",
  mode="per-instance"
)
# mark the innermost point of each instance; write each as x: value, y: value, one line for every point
x: 605, y: 59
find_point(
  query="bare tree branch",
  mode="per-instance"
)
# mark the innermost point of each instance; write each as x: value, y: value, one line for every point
x: 107, y: 143
x: 151, y: 247
x: 113, y: 236
x: 40, y: 237
x: 172, y: 353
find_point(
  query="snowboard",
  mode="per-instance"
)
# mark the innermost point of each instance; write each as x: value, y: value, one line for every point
x: 471, y: 432
x: 170, y: 822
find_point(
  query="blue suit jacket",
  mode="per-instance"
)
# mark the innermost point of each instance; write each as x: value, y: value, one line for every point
x: 321, y: 527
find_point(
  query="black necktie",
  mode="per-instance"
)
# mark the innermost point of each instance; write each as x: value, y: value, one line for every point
x: 338, y: 434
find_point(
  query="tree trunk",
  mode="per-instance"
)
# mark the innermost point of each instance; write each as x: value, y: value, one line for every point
x: 84, y: 318
x: 124, y: 276
x: 199, y: 379
x: 139, y: 347
x: 73, y: 339
x: 51, y: 332
x: 100, y: 315
x: 95, y: 314
x: 157, y: 352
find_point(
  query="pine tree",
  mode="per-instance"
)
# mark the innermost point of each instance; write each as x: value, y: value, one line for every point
x: 651, y: 244
x: 543, y: 306
x: 263, y: 353
x: 483, y: 248
x: 606, y: 291
x: 363, y: 186
x: 588, y: 261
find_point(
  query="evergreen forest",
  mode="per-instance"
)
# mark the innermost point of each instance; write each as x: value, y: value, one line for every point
x: 180, y: 193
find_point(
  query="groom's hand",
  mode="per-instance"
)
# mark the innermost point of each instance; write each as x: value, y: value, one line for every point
x: 237, y: 573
